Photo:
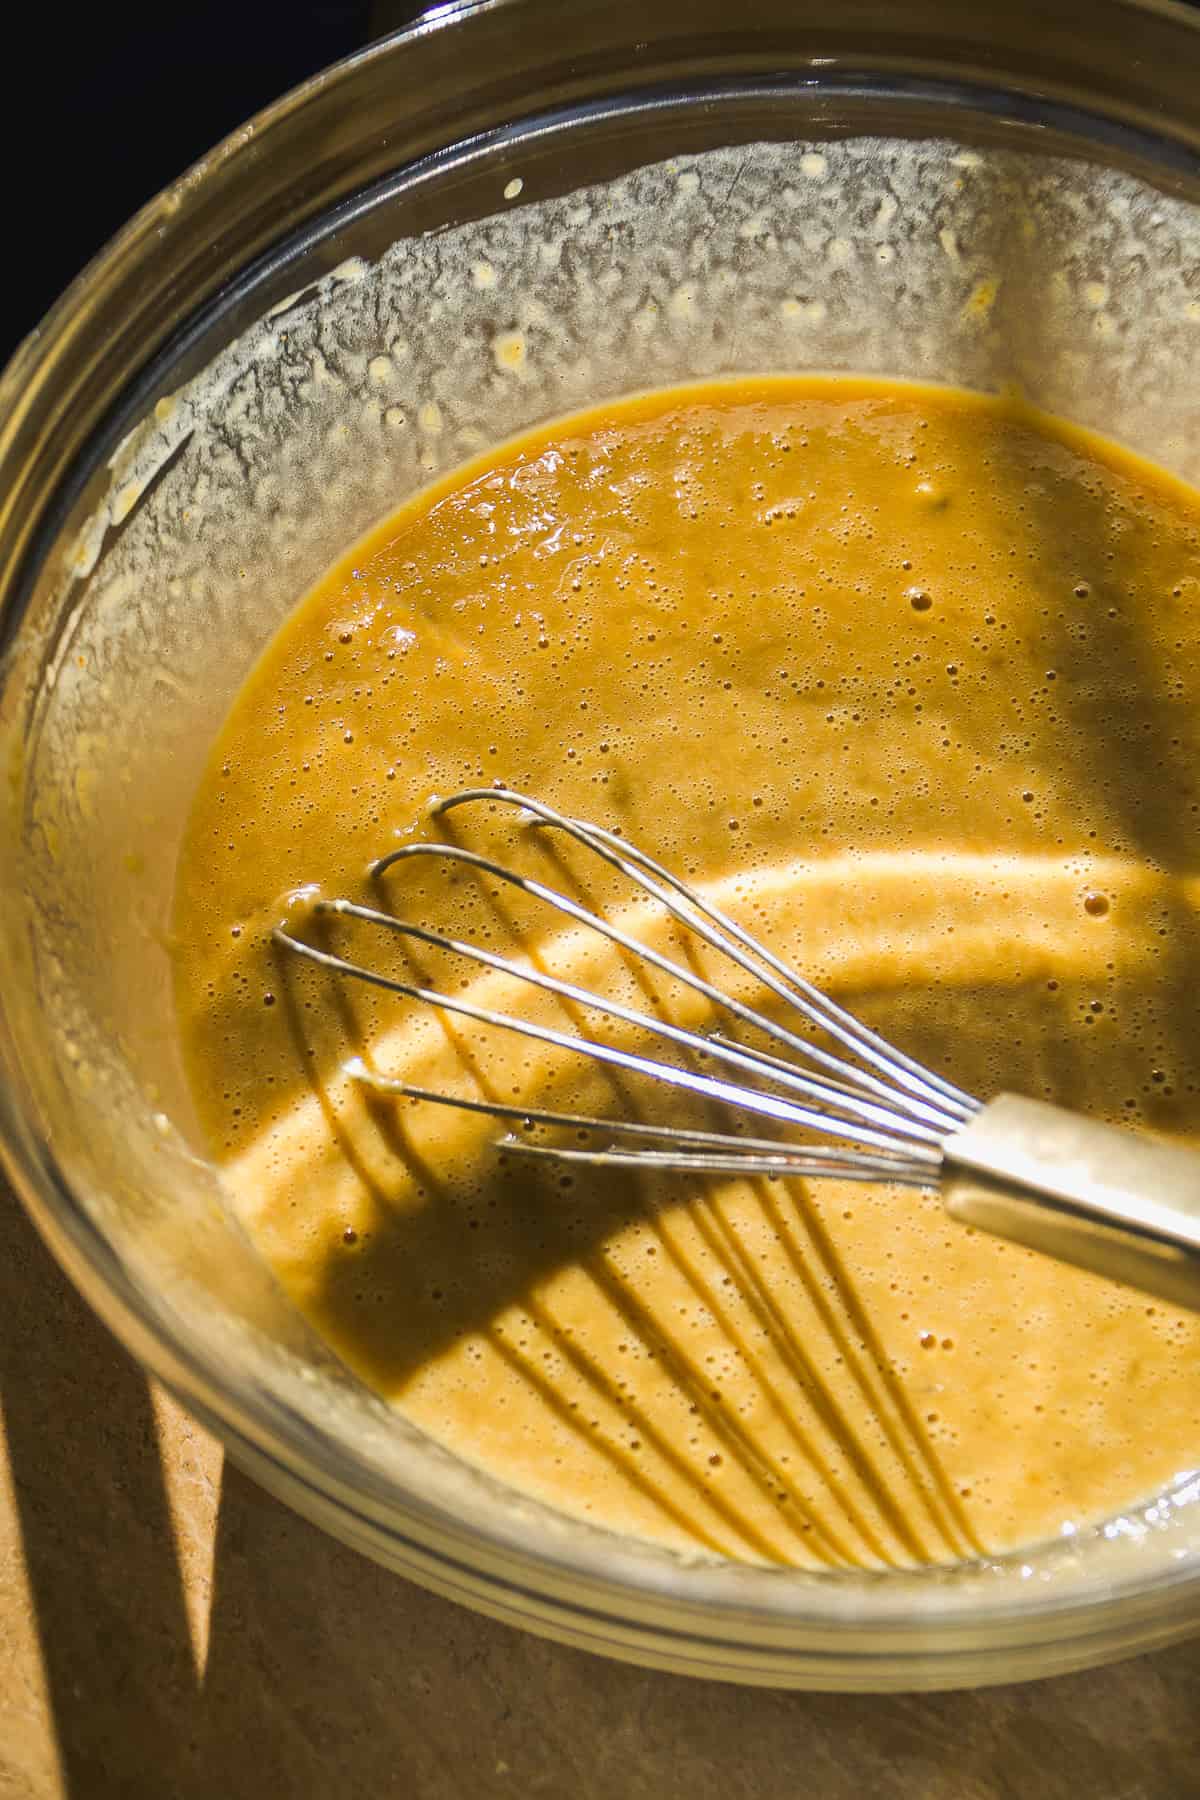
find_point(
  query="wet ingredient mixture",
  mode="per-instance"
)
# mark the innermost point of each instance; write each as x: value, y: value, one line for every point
x: 910, y: 680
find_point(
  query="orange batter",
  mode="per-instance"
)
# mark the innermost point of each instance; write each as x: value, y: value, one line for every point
x: 907, y: 678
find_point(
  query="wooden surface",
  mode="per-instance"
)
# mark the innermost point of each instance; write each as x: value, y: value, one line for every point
x: 169, y: 1631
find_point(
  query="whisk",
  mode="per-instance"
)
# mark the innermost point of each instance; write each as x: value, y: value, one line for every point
x: 1122, y: 1205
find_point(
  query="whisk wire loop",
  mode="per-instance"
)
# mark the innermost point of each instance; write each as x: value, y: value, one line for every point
x: 722, y: 933
x: 891, y: 1116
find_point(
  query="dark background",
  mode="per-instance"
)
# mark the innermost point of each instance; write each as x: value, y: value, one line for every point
x: 101, y: 106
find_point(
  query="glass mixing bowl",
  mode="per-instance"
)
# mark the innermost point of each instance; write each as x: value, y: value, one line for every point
x: 510, y: 210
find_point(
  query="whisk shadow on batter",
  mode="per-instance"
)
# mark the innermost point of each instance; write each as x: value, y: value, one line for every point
x: 873, y: 1486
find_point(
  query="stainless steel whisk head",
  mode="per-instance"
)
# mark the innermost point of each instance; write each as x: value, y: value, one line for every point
x: 1089, y: 1193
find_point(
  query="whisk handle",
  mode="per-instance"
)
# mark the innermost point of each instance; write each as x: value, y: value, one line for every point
x: 1094, y: 1195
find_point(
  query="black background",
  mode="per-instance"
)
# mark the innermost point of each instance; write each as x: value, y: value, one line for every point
x: 101, y: 106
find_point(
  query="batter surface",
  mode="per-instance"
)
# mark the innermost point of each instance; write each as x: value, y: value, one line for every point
x: 910, y: 681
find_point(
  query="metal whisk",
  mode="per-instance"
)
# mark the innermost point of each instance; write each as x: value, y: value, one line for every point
x: 1091, y: 1194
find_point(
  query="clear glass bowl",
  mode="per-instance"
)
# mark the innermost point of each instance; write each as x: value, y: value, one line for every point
x: 512, y: 209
